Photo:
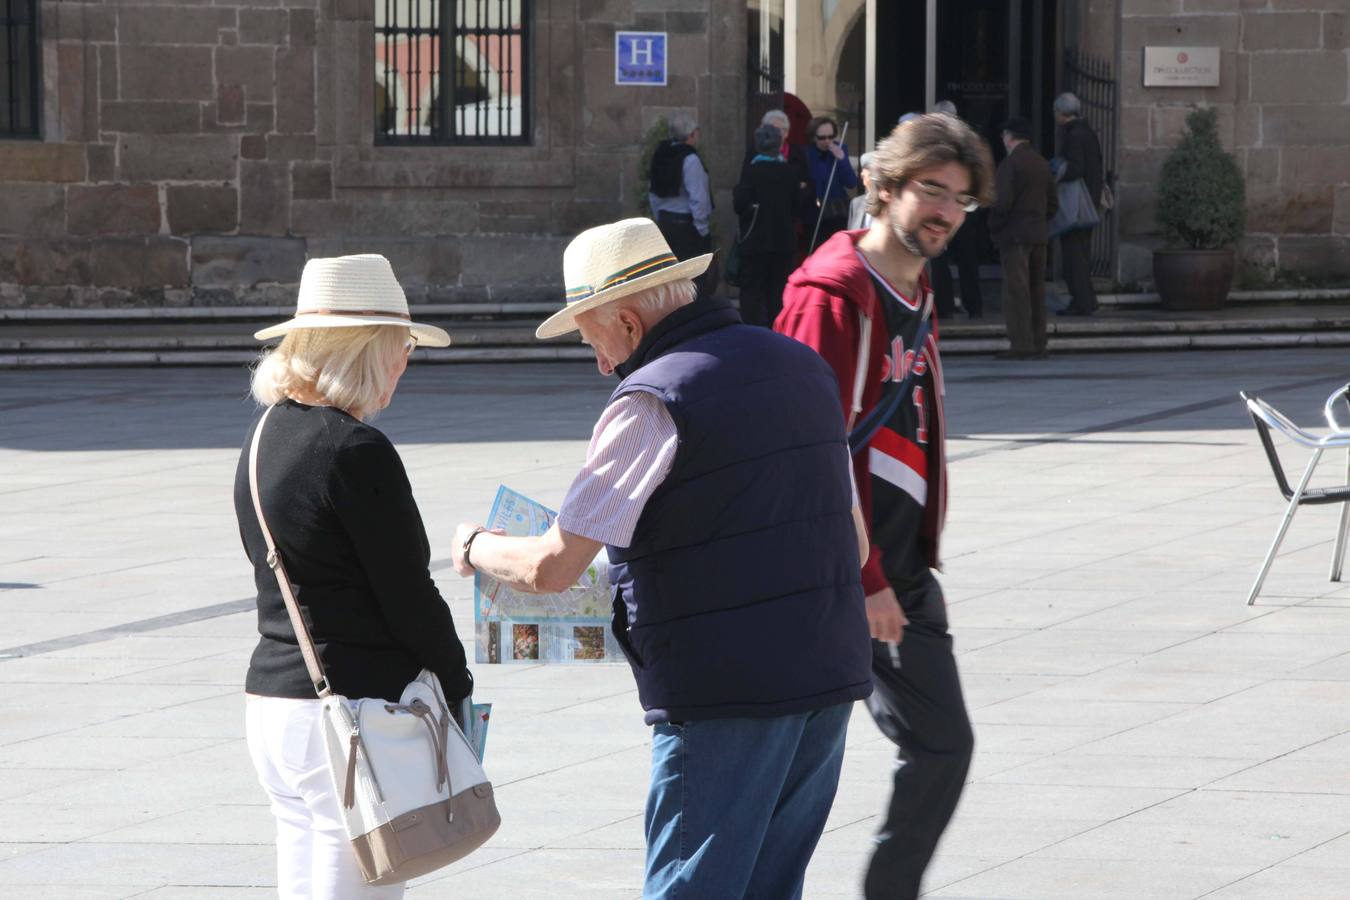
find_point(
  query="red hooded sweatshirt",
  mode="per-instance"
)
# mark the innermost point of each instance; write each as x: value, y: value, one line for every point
x: 831, y: 304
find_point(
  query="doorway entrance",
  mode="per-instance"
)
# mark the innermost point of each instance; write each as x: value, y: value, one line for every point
x: 992, y: 58
x: 869, y: 62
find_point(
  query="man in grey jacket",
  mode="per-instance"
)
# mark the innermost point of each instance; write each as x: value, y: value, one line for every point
x: 679, y: 194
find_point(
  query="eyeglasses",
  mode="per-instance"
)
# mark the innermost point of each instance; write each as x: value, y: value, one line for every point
x: 410, y: 346
x: 825, y: 137
x: 935, y: 195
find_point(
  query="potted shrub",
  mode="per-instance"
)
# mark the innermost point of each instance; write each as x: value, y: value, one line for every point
x: 1202, y: 211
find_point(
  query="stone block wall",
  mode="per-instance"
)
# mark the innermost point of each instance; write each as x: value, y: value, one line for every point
x: 196, y: 152
x: 1284, y: 112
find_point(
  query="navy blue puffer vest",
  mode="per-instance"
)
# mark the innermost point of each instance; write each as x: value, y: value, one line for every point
x: 740, y: 594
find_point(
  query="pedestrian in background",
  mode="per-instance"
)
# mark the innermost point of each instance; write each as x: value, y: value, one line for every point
x: 1082, y: 154
x: 792, y: 154
x: 742, y: 618
x: 862, y: 302
x: 680, y: 196
x: 826, y: 155
x: 769, y: 204
x: 338, y: 503
x: 1019, y: 224
x: 964, y: 250
x: 857, y: 207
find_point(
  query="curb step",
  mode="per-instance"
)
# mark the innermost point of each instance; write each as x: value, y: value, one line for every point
x: 504, y: 332
x: 61, y: 359
x: 265, y: 314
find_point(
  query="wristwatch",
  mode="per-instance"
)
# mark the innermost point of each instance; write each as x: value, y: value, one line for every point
x: 468, y: 543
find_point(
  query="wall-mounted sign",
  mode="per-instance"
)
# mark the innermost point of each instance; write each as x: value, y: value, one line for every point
x: 1181, y: 67
x: 640, y: 57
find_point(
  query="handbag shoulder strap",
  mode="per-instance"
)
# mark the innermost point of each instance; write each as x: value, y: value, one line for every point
x: 302, y: 635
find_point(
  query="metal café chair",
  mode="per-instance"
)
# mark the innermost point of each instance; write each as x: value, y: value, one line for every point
x: 1265, y: 417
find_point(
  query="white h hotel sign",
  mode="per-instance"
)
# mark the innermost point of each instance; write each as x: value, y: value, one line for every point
x: 640, y: 57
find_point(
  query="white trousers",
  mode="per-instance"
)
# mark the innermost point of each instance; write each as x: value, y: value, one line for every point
x: 314, y: 858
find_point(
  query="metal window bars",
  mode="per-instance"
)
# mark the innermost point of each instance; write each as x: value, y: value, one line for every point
x: 452, y: 71
x: 1090, y: 79
x: 19, y: 79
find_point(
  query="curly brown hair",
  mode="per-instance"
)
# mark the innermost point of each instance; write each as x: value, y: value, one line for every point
x: 923, y: 142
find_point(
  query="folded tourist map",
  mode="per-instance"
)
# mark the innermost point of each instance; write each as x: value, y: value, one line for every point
x: 570, y: 627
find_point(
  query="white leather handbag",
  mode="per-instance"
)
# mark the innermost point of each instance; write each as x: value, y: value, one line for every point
x: 414, y: 794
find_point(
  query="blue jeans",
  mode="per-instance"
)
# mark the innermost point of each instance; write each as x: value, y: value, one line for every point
x: 736, y: 806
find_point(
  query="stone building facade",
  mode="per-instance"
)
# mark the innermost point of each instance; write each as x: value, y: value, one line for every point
x: 196, y: 152
x: 1284, y: 112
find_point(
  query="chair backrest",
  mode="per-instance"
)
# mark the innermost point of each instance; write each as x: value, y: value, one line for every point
x: 1329, y: 410
x: 1266, y: 417
x: 1258, y: 409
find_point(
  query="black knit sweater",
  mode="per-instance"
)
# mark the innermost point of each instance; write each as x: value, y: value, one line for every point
x: 341, y: 511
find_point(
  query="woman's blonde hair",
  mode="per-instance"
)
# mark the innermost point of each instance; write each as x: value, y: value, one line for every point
x: 925, y: 142
x: 349, y: 367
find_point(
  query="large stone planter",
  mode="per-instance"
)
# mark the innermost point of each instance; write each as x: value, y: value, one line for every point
x: 1193, y: 279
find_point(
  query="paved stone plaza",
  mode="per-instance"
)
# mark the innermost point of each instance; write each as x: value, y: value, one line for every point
x: 1140, y: 731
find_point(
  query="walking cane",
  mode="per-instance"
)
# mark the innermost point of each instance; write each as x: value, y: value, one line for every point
x: 826, y: 199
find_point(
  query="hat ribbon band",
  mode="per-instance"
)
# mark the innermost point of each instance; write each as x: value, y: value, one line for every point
x: 354, y: 312
x: 637, y: 270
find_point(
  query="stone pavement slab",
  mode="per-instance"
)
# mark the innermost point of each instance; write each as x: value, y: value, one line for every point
x: 1140, y: 731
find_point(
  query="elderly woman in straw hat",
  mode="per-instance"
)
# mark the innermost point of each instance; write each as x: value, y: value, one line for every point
x: 338, y: 504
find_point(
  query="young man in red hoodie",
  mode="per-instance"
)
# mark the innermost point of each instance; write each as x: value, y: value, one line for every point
x: 863, y: 302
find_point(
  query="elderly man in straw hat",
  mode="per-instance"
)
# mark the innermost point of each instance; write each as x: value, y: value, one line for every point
x: 718, y: 480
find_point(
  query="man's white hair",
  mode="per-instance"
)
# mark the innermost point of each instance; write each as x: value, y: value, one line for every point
x: 1067, y: 104
x: 945, y: 106
x: 664, y: 298
x: 777, y: 118
x: 682, y: 125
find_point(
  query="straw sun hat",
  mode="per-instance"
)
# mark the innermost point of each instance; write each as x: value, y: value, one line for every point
x: 346, y: 291
x: 605, y: 264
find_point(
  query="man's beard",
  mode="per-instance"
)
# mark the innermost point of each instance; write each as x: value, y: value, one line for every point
x: 910, y: 241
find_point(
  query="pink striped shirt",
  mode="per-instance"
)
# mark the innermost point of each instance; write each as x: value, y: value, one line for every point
x: 632, y: 447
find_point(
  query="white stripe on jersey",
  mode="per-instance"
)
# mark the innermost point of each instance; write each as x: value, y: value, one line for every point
x: 890, y: 469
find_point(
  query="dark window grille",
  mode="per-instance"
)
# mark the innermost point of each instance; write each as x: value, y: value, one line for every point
x: 452, y: 71
x: 19, y: 69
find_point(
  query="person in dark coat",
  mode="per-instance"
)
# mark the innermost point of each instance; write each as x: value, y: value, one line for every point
x: 1082, y: 154
x: 964, y: 250
x: 1019, y: 224
x: 768, y: 201
x: 826, y: 155
x: 792, y: 154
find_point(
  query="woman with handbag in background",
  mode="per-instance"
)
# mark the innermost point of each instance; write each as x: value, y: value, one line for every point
x: 340, y: 512
x: 769, y: 199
